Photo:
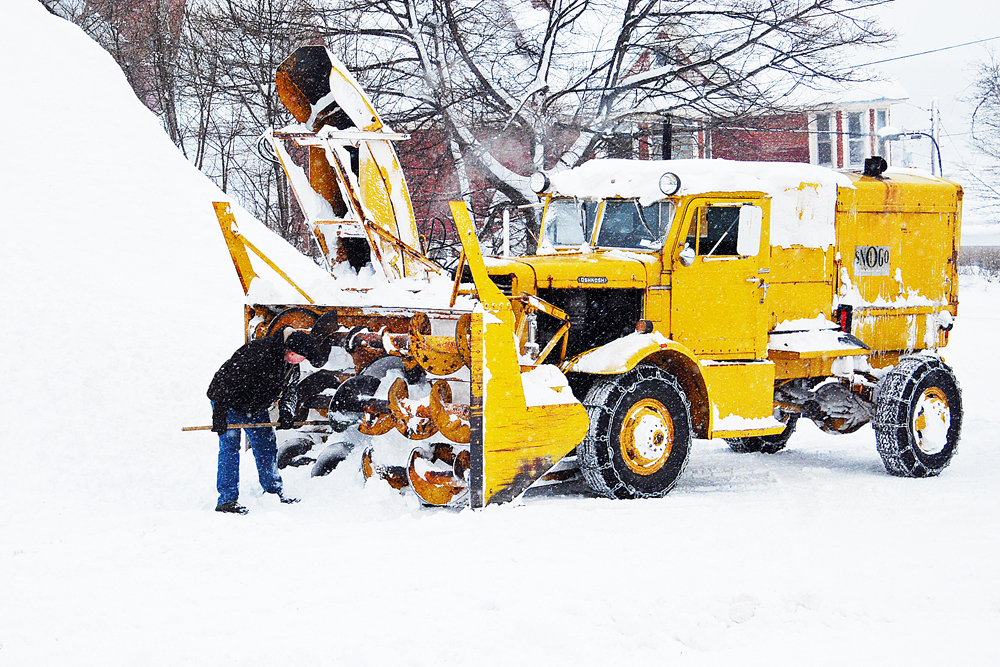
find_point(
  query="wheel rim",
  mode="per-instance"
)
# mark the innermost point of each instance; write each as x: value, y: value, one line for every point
x: 646, y: 437
x: 932, y: 420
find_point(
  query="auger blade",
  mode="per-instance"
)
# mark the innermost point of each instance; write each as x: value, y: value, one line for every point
x: 413, y: 418
x: 451, y: 419
x: 395, y: 476
x: 438, y: 355
x: 434, y: 480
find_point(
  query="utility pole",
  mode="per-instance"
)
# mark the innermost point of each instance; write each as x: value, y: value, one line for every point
x: 666, y: 149
x: 506, y: 233
x: 934, y: 134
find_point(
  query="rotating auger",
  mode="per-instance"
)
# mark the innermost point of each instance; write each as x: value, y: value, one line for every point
x: 390, y: 392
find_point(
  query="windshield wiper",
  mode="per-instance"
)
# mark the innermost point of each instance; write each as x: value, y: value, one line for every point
x: 642, y: 219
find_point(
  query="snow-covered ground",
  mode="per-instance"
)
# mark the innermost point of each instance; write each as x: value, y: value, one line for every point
x: 119, y: 301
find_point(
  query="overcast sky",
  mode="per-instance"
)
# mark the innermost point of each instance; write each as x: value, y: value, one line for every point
x: 923, y: 25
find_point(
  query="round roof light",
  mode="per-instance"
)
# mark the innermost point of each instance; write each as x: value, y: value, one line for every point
x: 539, y: 182
x: 670, y: 183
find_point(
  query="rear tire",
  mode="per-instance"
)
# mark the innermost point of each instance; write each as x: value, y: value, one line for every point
x: 918, y: 417
x: 640, y: 434
x: 766, y: 444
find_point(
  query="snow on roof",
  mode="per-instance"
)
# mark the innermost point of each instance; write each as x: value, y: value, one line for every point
x: 599, y: 179
x: 803, y: 196
x: 835, y: 94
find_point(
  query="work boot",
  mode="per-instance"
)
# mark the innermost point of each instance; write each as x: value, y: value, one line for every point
x: 231, y: 508
x: 288, y: 500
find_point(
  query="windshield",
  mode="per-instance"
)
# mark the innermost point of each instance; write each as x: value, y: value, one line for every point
x: 569, y: 222
x: 627, y: 225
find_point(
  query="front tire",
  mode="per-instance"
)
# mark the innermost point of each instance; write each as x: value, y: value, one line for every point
x: 640, y: 434
x: 918, y: 417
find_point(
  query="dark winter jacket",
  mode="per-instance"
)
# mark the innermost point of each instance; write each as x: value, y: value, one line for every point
x: 254, y: 378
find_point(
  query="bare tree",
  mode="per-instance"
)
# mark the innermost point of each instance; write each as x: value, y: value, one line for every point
x: 233, y: 48
x: 985, y: 125
x: 513, y: 86
x: 497, y: 88
x: 985, y: 93
x: 206, y: 68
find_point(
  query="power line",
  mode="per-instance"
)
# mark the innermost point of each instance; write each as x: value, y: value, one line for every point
x: 924, y: 53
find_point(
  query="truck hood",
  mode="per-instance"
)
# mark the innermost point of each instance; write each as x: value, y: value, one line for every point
x: 601, y: 268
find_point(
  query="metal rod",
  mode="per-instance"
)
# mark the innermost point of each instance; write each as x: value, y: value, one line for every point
x: 319, y: 139
x: 315, y: 422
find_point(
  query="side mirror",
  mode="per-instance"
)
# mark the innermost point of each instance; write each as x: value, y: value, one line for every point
x: 748, y: 238
x: 687, y: 255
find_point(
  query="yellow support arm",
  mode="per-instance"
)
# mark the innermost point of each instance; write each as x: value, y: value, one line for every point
x: 238, y: 246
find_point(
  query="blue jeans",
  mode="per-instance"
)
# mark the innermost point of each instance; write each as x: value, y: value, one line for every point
x: 265, y: 451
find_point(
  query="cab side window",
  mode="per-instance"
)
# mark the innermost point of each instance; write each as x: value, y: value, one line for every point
x: 715, y: 230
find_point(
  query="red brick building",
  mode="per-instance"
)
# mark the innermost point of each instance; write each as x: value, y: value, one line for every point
x: 839, y: 131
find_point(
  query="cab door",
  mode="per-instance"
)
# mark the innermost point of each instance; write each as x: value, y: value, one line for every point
x: 720, y: 270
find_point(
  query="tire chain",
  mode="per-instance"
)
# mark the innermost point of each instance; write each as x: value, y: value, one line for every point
x: 598, y: 412
x: 892, y: 413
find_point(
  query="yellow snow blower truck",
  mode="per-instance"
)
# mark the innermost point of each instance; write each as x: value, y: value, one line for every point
x: 667, y: 300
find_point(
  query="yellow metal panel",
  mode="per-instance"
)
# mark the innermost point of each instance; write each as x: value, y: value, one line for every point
x: 899, y: 330
x: 817, y: 354
x: 745, y: 390
x: 917, y: 219
x: 489, y: 295
x: 656, y: 307
x: 898, y: 192
x: 520, y: 443
x: 592, y: 271
x: 613, y: 364
x: 920, y: 254
x: 798, y: 264
x: 797, y: 367
x: 795, y: 301
x: 384, y: 192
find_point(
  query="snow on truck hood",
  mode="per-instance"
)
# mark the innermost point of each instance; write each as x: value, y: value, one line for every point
x: 803, y: 196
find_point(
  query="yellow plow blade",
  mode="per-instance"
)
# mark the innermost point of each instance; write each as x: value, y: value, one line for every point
x: 512, y: 443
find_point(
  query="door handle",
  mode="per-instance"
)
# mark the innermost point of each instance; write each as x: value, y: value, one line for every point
x: 761, y: 284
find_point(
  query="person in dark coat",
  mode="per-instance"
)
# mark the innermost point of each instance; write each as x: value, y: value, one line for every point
x: 261, y: 372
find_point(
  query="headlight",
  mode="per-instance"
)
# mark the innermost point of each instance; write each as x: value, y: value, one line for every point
x: 670, y: 183
x: 539, y: 182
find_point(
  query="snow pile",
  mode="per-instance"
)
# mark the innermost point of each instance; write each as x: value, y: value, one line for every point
x: 809, y: 335
x: 545, y: 385
x: 817, y: 323
x: 803, y: 196
x: 120, y: 298
x: 734, y: 422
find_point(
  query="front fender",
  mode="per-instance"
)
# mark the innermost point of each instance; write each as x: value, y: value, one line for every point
x: 622, y: 355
